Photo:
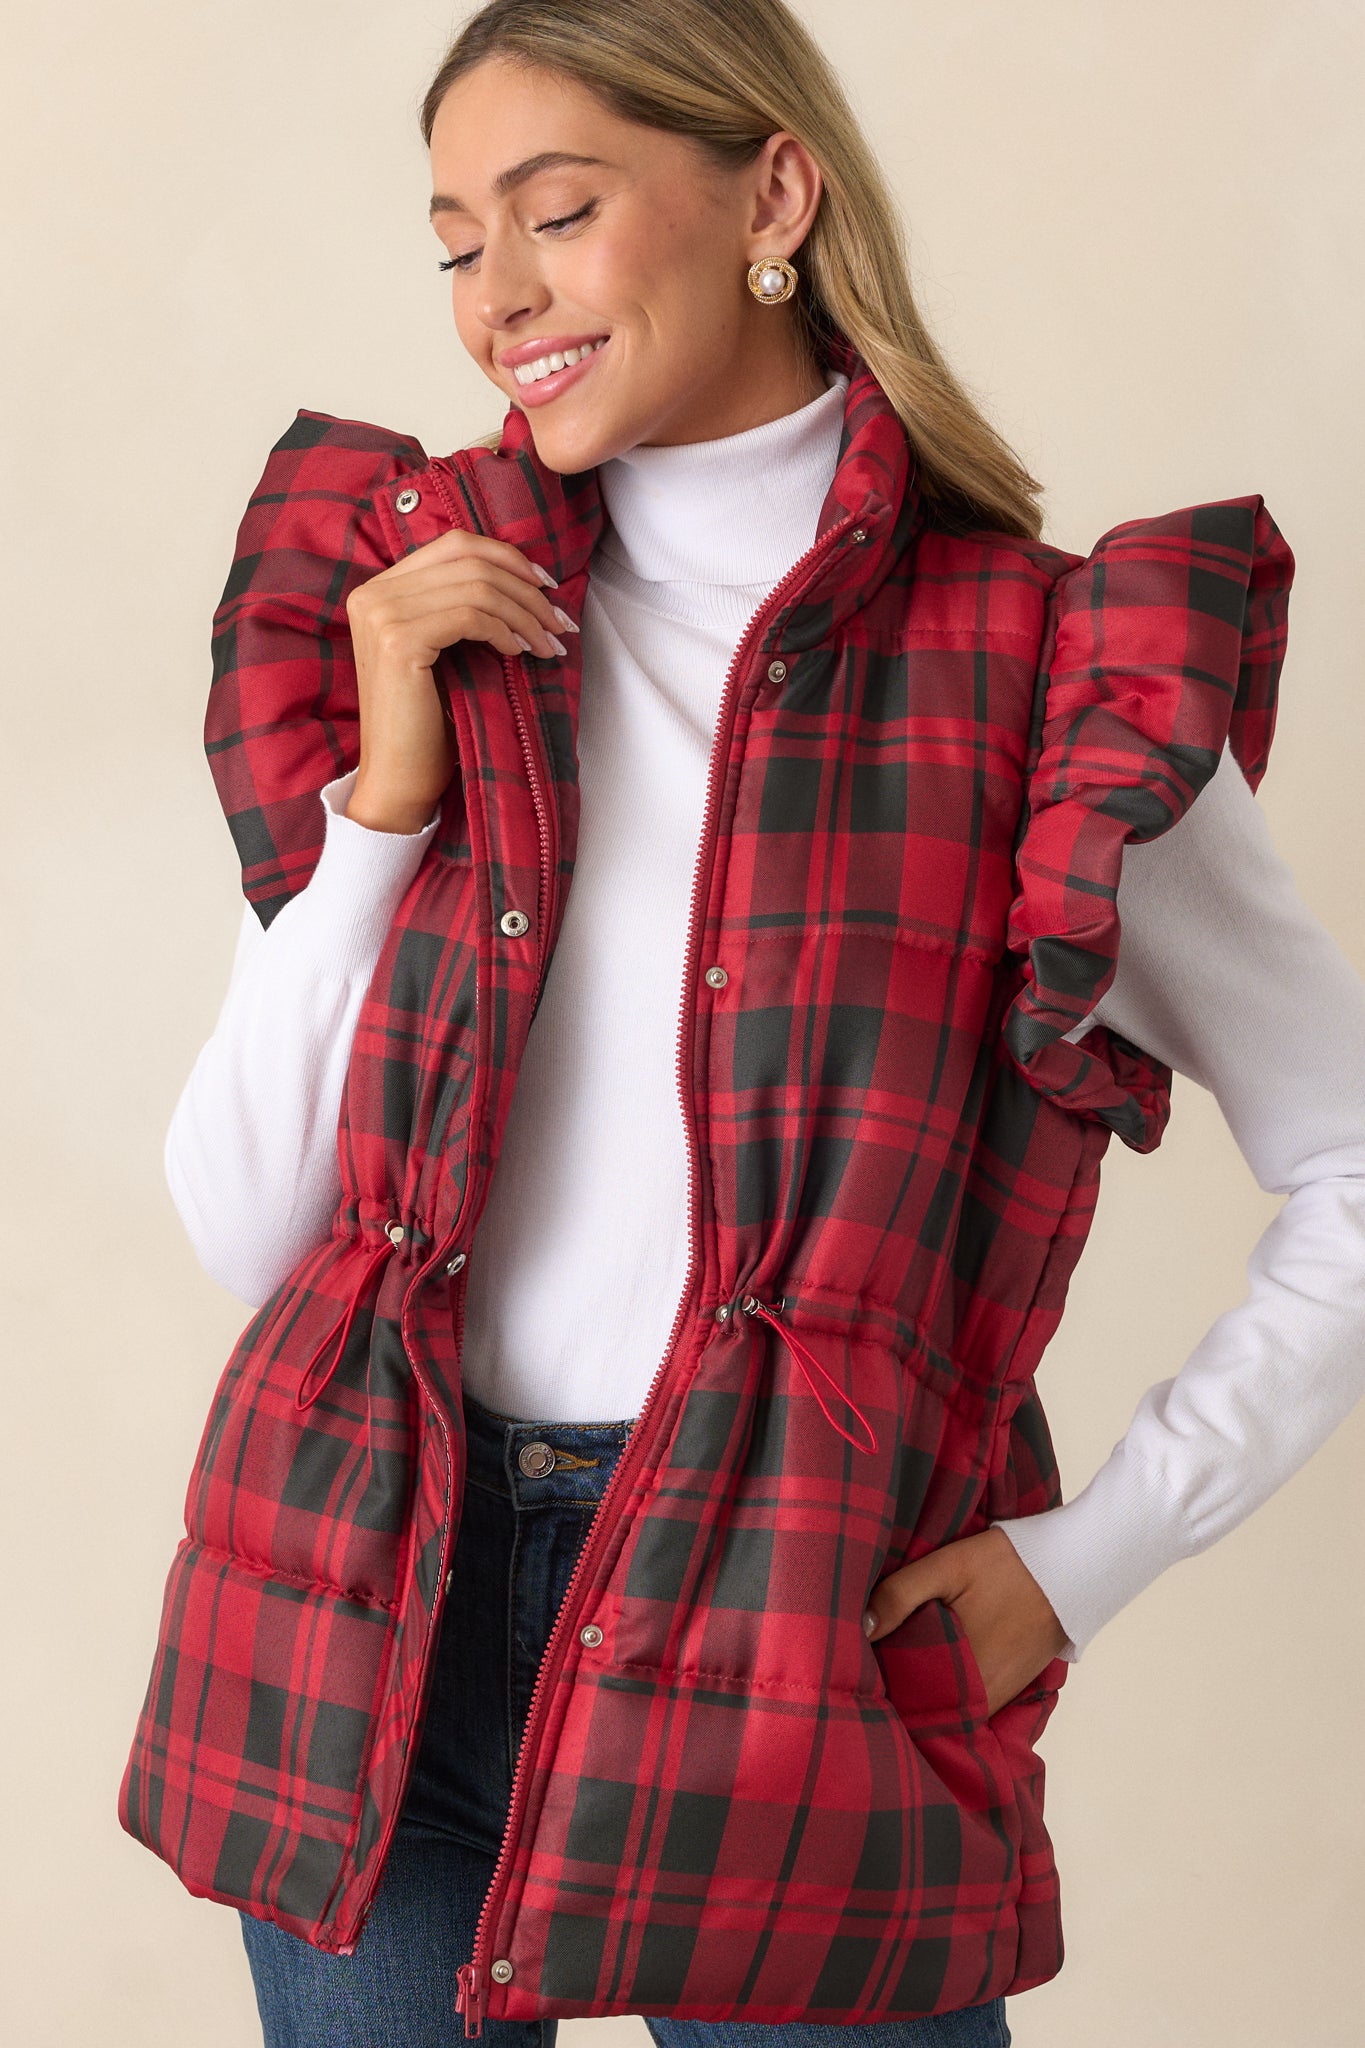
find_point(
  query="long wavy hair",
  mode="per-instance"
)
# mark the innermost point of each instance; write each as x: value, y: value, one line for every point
x: 728, y: 74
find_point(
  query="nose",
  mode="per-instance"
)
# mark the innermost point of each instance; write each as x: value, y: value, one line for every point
x: 510, y: 291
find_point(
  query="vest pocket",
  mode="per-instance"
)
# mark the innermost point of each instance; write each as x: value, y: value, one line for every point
x: 936, y: 1686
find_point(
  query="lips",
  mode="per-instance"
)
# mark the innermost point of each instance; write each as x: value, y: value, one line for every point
x: 538, y: 383
x: 547, y: 344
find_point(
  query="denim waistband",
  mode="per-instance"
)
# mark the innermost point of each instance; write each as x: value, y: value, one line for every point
x: 536, y: 1464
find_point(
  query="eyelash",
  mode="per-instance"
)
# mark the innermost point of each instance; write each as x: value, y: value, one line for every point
x: 566, y: 220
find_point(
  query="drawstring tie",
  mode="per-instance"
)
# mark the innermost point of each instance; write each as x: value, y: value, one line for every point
x: 811, y: 1367
x: 339, y: 1335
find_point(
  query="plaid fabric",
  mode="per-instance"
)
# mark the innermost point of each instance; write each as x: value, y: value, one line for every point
x: 729, y: 1805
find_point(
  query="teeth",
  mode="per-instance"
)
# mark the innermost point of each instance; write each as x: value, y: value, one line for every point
x: 545, y: 366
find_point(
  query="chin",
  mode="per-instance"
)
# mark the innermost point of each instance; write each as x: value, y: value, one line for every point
x: 566, y: 447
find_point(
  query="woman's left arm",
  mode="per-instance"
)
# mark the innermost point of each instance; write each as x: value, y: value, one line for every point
x: 1225, y: 974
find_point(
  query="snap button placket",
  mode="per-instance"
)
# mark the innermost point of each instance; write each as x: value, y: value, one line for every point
x: 716, y: 977
x: 453, y: 1265
x: 777, y: 671
x: 501, y: 1972
x: 514, y: 923
x: 591, y: 1636
x: 408, y: 500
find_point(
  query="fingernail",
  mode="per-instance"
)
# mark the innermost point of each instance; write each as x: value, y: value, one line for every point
x: 869, y: 1623
x: 565, y: 621
x: 524, y: 644
x: 545, y: 576
x: 558, y: 645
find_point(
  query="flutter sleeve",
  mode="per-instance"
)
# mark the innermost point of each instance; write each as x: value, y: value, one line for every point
x: 283, y: 720
x: 1164, y: 643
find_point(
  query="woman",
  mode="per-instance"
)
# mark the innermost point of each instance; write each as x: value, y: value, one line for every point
x: 722, y: 1707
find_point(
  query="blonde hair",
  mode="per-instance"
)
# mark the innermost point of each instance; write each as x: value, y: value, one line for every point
x: 728, y: 74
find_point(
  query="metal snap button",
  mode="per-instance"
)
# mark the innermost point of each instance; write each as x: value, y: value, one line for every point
x: 716, y: 977
x: 590, y: 1636
x: 408, y: 501
x: 454, y: 1265
x: 859, y: 533
x: 777, y: 671
x: 536, y: 1460
x: 514, y: 923
x: 723, y: 1312
x: 501, y: 1972
x: 394, y: 1232
x: 449, y: 1577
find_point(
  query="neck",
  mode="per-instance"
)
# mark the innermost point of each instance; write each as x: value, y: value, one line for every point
x: 769, y: 378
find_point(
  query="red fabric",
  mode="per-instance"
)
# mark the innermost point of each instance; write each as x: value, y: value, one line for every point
x: 730, y: 1805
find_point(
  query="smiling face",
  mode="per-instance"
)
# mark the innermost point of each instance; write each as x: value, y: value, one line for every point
x: 568, y: 229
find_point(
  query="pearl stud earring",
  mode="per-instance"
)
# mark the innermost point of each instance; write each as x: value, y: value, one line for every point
x: 772, y: 280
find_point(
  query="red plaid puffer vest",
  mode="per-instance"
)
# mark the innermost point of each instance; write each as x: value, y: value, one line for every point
x: 931, y: 749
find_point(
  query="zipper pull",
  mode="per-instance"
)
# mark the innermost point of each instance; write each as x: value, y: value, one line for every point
x: 469, y: 2000
x: 814, y: 1372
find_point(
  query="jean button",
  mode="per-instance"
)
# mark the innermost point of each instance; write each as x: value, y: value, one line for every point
x: 536, y: 1460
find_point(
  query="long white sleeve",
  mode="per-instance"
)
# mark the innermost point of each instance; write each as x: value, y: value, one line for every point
x: 1226, y: 975
x: 251, y: 1152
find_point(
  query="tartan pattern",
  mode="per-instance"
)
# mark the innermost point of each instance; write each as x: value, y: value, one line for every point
x: 731, y: 1806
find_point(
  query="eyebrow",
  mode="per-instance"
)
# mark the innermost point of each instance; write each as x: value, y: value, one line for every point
x: 508, y: 180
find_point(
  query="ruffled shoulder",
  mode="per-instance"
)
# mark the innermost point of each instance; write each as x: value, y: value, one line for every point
x: 1162, y: 644
x: 283, y: 714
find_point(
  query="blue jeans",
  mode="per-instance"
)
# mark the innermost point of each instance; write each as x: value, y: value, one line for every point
x: 524, y: 1518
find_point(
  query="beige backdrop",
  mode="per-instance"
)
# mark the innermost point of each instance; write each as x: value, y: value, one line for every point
x: 1138, y: 230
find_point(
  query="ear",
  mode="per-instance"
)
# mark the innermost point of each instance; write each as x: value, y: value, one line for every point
x: 787, y: 186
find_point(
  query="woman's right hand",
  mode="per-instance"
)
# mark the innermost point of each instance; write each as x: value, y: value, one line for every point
x: 460, y: 586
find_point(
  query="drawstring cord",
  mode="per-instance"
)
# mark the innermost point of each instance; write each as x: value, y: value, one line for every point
x: 805, y: 1358
x: 811, y: 1366
x: 338, y: 1336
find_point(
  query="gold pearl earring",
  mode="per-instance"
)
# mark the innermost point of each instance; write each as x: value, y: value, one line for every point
x: 772, y: 280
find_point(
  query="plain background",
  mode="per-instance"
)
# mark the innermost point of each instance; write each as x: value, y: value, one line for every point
x: 1137, y: 231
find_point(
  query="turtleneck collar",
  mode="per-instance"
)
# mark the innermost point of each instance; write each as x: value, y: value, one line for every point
x: 740, y: 509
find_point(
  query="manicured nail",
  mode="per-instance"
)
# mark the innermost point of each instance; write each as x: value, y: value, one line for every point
x: 525, y: 645
x: 565, y: 621
x: 869, y: 1623
x: 551, y: 581
x: 558, y: 645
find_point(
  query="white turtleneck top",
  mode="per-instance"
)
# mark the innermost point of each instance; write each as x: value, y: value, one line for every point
x: 579, y: 1258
